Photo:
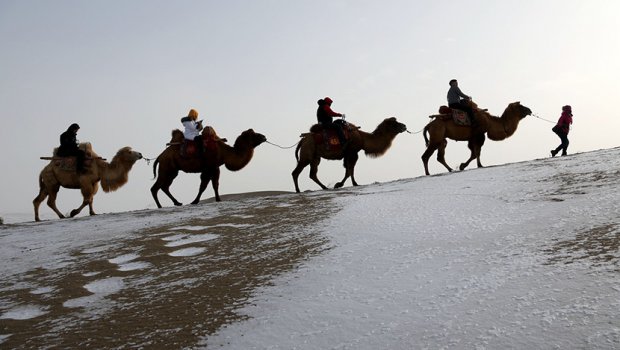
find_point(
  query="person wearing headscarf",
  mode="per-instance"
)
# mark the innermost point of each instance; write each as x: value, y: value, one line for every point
x: 69, y: 146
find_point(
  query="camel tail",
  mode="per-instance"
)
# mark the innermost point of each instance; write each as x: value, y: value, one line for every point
x: 298, y: 148
x: 425, y: 131
x: 155, y: 168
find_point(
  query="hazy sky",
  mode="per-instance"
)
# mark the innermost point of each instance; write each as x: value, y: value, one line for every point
x: 127, y: 71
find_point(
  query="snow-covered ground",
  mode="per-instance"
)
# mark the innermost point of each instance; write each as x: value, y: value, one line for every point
x: 519, y: 256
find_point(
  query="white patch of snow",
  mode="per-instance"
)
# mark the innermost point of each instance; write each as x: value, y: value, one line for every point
x: 187, y: 252
x: 124, y: 258
x: 192, y: 239
x: 135, y: 265
x: 23, y: 312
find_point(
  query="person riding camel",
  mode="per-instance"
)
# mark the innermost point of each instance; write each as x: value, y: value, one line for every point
x: 325, y: 114
x: 454, y: 101
x: 192, y: 129
x: 69, y: 147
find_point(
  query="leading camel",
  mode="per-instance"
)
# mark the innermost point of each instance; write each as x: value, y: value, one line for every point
x: 112, y: 175
x: 496, y: 128
x: 219, y: 153
x: 375, y: 144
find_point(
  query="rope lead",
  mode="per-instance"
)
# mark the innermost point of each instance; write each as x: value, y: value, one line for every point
x: 281, y: 146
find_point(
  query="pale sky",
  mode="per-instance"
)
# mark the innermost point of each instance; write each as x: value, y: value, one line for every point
x: 127, y: 71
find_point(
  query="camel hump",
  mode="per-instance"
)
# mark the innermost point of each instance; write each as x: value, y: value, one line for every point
x: 316, y: 128
x: 87, y: 147
x: 177, y: 136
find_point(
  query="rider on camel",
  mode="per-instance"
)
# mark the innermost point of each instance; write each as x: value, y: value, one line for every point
x: 325, y: 114
x: 69, y: 147
x: 192, y: 129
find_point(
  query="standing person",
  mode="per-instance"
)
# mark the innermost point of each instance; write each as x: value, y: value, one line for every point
x: 454, y: 100
x: 562, y: 128
x: 325, y: 116
x: 69, y: 147
x: 192, y: 129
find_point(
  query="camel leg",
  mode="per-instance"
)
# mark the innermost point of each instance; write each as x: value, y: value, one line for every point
x: 475, y: 147
x: 205, y: 178
x: 164, y: 185
x: 91, y: 210
x: 479, y: 151
x: 349, y: 164
x: 87, y: 194
x: 215, y: 182
x: 353, y: 162
x: 314, y: 169
x: 301, y: 164
x: 441, y: 153
x: 472, y: 156
x: 430, y: 149
x: 37, y: 202
x: 51, y: 201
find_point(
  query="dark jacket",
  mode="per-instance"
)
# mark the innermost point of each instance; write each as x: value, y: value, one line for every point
x: 68, y: 144
x: 324, y: 113
x: 566, y: 119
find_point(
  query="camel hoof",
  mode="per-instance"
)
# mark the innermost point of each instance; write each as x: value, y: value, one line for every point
x: 338, y: 185
x: 194, y: 202
x: 178, y: 204
x: 462, y: 167
x: 74, y: 212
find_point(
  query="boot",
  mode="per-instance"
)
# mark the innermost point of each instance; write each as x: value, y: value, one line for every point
x: 553, y: 153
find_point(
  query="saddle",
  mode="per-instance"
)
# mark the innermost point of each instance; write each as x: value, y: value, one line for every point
x: 458, y: 116
x: 328, y: 135
x: 69, y: 163
x: 189, y: 148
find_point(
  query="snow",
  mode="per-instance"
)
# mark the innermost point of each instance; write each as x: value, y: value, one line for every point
x: 524, y: 255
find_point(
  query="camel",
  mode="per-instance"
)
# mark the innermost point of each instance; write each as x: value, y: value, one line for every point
x: 496, y: 128
x: 112, y: 176
x: 234, y: 158
x: 375, y: 144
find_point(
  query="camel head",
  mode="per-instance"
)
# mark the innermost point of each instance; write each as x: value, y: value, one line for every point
x: 519, y: 109
x: 251, y: 138
x: 127, y: 155
x: 390, y: 126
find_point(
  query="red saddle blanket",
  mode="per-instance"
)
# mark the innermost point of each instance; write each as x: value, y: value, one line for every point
x: 328, y: 136
x: 458, y: 116
x: 189, y: 148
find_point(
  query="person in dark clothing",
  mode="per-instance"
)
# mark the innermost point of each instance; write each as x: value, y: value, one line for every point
x: 69, y: 147
x: 458, y: 100
x: 562, y: 128
x: 325, y: 116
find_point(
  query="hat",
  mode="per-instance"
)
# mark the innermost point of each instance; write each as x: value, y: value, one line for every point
x: 567, y: 108
x: 193, y: 114
x: 74, y: 127
x: 328, y: 100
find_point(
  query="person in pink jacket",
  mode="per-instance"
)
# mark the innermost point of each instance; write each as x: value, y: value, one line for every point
x: 562, y: 128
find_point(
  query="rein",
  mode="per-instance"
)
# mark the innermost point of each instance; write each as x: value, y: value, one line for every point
x: 413, y: 133
x: 536, y: 116
x: 273, y: 144
x: 148, y: 160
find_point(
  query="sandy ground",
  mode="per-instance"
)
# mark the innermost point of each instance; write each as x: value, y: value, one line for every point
x: 174, y: 299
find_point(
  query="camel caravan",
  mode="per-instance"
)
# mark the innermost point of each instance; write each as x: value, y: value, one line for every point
x: 200, y: 150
